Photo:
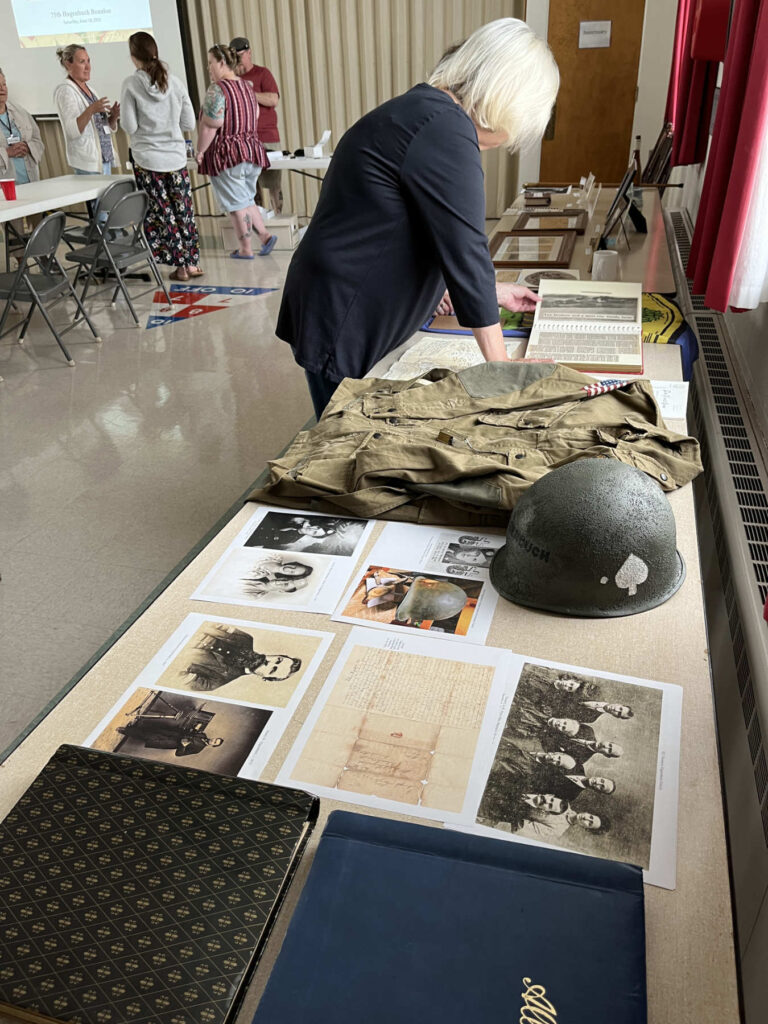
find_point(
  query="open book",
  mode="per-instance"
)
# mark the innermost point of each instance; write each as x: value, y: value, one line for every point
x: 595, y: 326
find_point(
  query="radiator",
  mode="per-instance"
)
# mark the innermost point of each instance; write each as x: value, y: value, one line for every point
x: 731, y: 500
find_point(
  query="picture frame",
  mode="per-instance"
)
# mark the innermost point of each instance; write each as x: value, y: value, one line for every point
x: 553, y: 220
x: 519, y: 249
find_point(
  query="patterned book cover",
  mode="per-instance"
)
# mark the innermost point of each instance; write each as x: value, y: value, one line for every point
x: 133, y: 891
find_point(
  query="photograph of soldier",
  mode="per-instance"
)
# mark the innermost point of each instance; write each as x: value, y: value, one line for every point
x: 258, y: 665
x: 319, y: 535
x: 583, y: 778
x: 161, y: 726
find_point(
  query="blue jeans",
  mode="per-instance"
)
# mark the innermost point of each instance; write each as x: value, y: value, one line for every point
x: 106, y: 168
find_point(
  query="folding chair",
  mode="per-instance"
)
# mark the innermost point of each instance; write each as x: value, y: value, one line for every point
x: 41, y: 281
x: 117, y: 253
x: 87, y: 233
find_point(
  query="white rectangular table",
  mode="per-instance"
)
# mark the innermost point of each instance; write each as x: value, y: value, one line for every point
x: 54, y: 194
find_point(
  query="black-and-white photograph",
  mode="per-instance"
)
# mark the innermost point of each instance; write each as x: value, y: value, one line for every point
x: 576, y: 763
x: 319, y: 535
x: 602, y: 306
x: 163, y: 726
x: 470, y: 551
x: 260, y: 577
x: 260, y: 665
x: 533, y: 278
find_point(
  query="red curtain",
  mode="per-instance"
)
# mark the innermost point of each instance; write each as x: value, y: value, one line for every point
x: 691, y: 91
x: 740, y: 127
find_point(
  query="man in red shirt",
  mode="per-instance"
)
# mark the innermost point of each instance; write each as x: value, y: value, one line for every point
x: 268, y: 96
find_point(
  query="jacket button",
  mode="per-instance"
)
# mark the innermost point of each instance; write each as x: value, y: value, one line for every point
x: 663, y: 476
x: 377, y: 436
x: 520, y: 455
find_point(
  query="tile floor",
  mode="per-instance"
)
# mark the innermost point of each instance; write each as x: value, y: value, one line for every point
x: 110, y: 471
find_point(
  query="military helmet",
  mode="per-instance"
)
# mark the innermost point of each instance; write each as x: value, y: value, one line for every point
x: 431, y: 599
x: 594, y: 538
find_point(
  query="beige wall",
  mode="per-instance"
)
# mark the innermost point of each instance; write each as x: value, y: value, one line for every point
x: 333, y: 61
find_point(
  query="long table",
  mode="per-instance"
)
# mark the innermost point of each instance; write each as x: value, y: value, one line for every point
x: 690, y: 950
x: 54, y: 194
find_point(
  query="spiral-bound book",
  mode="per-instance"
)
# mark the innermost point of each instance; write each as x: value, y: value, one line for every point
x: 134, y: 891
x: 593, y: 326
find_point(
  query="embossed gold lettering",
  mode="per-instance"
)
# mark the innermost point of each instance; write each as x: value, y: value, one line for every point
x: 536, y: 1008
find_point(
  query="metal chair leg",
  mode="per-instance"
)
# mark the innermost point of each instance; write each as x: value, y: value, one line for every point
x: 82, y: 312
x: 54, y: 332
x: 25, y: 325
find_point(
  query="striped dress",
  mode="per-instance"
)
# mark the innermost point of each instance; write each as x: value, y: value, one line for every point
x: 237, y: 140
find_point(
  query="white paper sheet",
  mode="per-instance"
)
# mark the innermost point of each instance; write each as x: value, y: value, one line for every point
x: 287, y: 558
x: 395, y: 726
x: 249, y: 676
x: 414, y: 725
x: 672, y: 396
x: 434, y: 564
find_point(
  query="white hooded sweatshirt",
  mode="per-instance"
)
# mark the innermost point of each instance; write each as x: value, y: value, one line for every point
x: 155, y: 120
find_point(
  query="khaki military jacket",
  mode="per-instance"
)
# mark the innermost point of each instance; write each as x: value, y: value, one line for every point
x: 460, y: 448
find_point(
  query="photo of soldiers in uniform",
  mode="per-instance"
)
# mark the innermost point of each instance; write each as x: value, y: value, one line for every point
x: 576, y: 765
x: 319, y: 535
x: 258, y: 665
x: 162, y: 726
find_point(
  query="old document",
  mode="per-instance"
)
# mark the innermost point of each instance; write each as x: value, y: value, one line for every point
x: 396, y: 725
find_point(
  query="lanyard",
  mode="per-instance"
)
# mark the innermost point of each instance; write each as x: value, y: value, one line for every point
x: 8, y: 125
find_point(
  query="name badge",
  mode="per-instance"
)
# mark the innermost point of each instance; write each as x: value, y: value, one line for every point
x: 13, y: 138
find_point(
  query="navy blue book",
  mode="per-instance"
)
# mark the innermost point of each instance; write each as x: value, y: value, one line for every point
x: 402, y: 922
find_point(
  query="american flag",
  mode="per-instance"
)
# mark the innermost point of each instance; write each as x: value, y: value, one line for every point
x: 603, y: 386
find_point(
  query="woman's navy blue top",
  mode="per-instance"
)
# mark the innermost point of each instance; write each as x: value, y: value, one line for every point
x: 401, y: 216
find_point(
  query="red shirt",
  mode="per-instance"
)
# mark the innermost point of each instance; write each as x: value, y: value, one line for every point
x: 262, y: 81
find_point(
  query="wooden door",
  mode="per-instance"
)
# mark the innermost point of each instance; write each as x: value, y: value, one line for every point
x: 592, y: 125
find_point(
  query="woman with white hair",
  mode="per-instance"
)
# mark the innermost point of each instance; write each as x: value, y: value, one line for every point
x: 401, y: 214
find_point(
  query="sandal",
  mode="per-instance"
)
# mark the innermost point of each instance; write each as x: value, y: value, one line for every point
x: 268, y: 246
x: 195, y: 272
x: 240, y: 256
x: 179, y: 274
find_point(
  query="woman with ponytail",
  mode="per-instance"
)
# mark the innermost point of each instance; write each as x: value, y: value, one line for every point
x: 155, y: 110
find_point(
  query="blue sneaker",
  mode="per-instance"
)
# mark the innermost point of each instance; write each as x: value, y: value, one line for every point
x: 268, y: 246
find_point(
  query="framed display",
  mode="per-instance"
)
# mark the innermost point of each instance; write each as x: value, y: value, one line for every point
x: 552, y: 220
x: 618, y: 206
x: 521, y: 249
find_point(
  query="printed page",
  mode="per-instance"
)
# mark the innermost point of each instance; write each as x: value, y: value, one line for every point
x: 219, y: 694
x: 428, y: 580
x: 288, y: 559
x: 590, y: 325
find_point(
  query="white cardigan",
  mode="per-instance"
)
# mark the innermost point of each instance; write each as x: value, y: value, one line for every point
x: 30, y: 134
x: 83, y: 149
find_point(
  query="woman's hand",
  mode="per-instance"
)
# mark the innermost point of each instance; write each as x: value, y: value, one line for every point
x: 100, y: 106
x: 516, y: 297
x: 18, y: 149
x: 114, y: 114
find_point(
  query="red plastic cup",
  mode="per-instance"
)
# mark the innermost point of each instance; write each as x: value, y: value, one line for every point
x: 8, y: 186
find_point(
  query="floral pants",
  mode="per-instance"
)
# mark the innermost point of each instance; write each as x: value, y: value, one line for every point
x: 170, y: 223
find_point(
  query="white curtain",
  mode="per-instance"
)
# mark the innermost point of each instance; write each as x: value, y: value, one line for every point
x: 750, y: 281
